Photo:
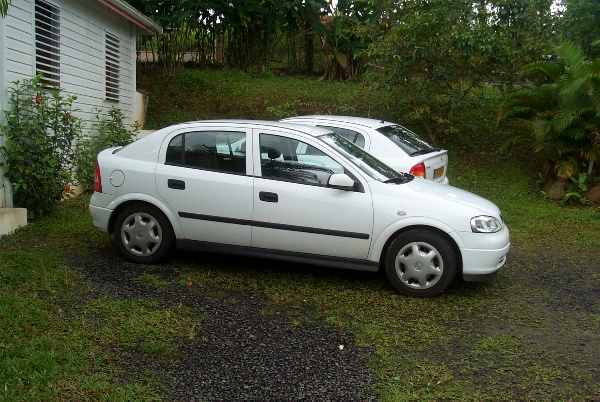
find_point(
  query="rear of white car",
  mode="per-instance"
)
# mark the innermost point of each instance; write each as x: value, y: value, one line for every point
x: 391, y: 143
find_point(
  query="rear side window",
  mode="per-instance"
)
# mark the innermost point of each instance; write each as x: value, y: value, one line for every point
x: 353, y: 136
x: 221, y: 151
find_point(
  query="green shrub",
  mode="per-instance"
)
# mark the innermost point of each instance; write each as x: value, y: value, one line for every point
x: 39, y: 152
x: 109, y: 132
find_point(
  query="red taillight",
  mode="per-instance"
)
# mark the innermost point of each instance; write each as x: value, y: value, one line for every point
x: 97, y: 179
x: 418, y: 170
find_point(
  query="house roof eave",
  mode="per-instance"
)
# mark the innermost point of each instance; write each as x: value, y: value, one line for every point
x: 131, y: 14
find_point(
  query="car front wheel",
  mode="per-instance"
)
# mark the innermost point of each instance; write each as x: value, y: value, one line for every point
x: 143, y: 234
x: 420, y: 263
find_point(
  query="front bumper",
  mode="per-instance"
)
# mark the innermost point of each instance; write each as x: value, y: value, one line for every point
x: 483, y: 262
x: 484, y: 253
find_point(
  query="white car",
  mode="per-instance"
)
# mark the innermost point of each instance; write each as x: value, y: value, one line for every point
x: 295, y: 193
x: 391, y: 143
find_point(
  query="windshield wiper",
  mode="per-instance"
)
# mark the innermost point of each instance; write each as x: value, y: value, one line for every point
x: 425, y: 151
x: 405, y: 178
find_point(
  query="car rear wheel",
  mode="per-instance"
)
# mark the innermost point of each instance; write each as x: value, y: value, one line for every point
x: 420, y: 263
x: 143, y: 234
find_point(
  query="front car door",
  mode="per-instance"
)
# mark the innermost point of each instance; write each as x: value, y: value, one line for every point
x: 295, y: 211
x: 205, y: 176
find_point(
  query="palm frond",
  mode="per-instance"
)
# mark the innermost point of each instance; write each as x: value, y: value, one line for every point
x: 571, y: 55
x: 534, y: 98
x: 521, y: 113
x: 512, y: 141
x: 576, y: 87
x: 566, y: 168
x: 551, y: 69
x: 541, y: 129
x: 567, y: 114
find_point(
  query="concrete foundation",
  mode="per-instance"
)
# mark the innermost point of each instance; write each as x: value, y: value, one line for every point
x: 12, y: 219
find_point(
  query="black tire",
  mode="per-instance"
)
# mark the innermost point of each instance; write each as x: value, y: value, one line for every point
x: 143, y: 234
x: 420, y: 263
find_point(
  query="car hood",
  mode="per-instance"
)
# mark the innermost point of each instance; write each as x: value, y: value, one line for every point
x: 424, y: 198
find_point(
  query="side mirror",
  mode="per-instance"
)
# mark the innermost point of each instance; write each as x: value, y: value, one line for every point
x: 340, y: 181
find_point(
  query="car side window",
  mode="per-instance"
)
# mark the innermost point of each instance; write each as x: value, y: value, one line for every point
x: 221, y: 151
x: 351, y: 135
x: 292, y: 160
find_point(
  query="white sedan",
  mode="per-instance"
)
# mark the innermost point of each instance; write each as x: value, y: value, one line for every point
x: 295, y: 193
x: 391, y: 143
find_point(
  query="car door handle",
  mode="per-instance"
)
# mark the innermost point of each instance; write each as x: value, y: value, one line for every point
x: 176, y: 184
x: 268, y: 197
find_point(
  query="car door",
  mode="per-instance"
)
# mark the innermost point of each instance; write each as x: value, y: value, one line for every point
x: 205, y: 176
x: 295, y: 211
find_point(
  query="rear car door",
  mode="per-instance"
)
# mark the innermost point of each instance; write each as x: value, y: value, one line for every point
x: 295, y: 211
x: 205, y: 176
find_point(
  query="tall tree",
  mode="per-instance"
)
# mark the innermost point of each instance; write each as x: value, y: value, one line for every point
x: 581, y: 24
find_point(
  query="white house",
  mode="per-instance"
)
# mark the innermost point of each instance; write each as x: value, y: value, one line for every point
x: 87, y: 47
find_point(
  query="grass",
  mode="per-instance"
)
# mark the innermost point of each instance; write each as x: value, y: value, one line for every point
x: 523, y: 336
x: 59, y: 340
x: 195, y: 95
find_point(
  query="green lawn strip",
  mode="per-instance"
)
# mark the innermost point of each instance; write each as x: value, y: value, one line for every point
x: 60, y: 342
x: 153, y: 279
x: 68, y: 230
x: 45, y: 354
x: 195, y: 94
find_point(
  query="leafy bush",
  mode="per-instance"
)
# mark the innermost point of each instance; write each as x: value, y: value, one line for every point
x: 45, y: 151
x: 39, y: 152
x: 560, y: 111
x: 108, y: 133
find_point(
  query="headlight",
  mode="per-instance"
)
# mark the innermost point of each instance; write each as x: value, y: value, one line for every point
x: 485, y: 224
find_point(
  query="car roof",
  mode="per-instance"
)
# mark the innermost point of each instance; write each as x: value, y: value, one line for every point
x: 146, y: 147
x: 359, y: 121
x: 313, y: 131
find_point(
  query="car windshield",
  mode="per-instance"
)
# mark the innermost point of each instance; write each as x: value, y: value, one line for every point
x: 359, y: 157
x: 408, y: 141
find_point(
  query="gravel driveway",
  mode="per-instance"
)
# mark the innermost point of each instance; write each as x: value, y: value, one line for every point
x: 246, y: 355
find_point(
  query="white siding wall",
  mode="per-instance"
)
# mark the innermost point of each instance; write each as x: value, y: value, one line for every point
x: 82, y: 56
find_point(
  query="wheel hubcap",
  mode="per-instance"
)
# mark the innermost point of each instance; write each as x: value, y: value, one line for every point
x: 419, y: 265
x: 141, y: 234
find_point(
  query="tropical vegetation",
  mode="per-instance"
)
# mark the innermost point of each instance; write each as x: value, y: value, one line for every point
x: 561, y: 111
x: 39, y: 152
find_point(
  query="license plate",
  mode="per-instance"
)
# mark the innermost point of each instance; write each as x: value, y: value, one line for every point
x: 439, y: 172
